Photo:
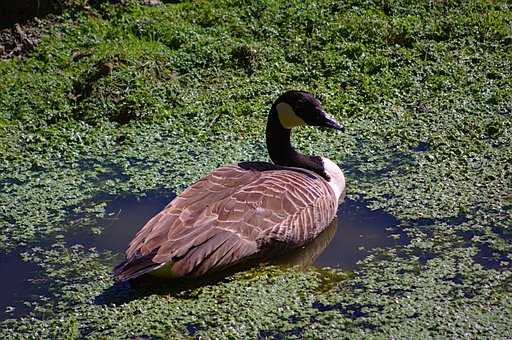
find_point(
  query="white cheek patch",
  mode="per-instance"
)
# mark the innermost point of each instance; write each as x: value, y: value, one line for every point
x: 287, y: 116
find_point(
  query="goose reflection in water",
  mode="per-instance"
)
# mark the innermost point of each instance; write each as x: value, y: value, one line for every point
x: 307, y: 255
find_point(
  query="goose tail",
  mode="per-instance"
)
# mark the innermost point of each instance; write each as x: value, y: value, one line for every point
x: 133, y: 268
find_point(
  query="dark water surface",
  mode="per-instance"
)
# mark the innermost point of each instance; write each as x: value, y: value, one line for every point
x: 359, y: 230
x: 350, y: 238
x: 15, y: 275
x: 127, y: 214
x: 347, y: 240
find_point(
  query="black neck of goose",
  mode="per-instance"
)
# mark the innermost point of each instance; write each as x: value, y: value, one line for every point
x: 281, y: 150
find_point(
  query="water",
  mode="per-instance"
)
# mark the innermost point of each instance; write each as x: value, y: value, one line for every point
x: 127, y: 215
x: 16, y: 284
x: 347, y: 240
x: 352, y: 236
x: 421, y: 147
x: 359, y: 230
x: 355, y: 232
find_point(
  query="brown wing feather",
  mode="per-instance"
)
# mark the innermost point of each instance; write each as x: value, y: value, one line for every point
x: 235, y: 212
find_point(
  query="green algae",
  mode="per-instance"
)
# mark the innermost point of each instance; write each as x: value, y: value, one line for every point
x: 133, y: 99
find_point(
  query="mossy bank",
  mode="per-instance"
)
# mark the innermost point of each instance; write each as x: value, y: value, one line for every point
x: 124, y: 99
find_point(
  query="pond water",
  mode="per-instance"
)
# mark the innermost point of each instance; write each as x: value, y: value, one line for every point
x: 16, y: 285
x: 359, y: 230
x: 127, y: 215
x: 356, y: 230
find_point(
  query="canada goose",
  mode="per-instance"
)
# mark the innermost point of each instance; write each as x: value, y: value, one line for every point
x: 245, y: 210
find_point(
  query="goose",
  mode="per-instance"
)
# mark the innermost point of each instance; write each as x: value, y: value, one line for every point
x: 245, y: 210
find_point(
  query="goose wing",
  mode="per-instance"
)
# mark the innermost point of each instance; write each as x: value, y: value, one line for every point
x: 235, y: 212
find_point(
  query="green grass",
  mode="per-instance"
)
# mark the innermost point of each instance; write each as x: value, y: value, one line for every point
x: 127, y: 99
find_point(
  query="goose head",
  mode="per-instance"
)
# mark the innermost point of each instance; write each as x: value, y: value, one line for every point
x: 292, y: 109
x: 296, y: 108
